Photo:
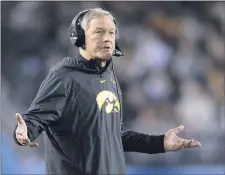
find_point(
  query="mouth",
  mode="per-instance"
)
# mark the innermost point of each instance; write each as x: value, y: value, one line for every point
x: 106, y: 48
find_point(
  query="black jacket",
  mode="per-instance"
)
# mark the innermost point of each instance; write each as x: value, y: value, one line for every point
x: 79, y: 107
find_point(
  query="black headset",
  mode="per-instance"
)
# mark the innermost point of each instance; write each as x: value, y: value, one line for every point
x: 77, y: 35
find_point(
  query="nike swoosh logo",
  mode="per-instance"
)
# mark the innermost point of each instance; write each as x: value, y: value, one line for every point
x: 102, y: 81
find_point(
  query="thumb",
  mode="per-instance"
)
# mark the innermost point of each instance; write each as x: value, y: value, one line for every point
x: 179, y: 129
x: 32, y: 144
x: 20, y: 119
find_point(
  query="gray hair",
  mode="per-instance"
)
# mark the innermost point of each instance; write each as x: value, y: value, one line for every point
x: 93, y: 14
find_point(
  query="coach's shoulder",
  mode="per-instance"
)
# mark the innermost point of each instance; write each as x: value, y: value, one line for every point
x: 61, y: 72
x: 61, y: 67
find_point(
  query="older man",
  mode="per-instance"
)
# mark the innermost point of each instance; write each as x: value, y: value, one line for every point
x: 79, y: 106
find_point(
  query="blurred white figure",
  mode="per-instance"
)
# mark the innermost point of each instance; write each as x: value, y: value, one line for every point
x: 27, y: 16
x: 158, y: 86
x: 151, y: 54
x: 196, y: 109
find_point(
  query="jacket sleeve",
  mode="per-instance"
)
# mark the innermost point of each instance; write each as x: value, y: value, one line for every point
x: 47, y: 107
x: 143, y: 143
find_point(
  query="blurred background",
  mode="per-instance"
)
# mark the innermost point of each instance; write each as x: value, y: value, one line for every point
x: 172, y: 74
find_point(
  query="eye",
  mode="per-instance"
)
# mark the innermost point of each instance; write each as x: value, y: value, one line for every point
x: 99, y: 31
x: 112, y: 33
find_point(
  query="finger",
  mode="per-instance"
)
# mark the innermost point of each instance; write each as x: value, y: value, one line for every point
x: 27, y: 142
x: 22, y: 140
x: 182, y: 143
x: 194, y: 144
x: 187, y: 143
x: 190, y: 143
x: 20, y: 119
x: 21, y: 133
x: 32, y: 144
x: 179, y: 129
x: 19, y: 137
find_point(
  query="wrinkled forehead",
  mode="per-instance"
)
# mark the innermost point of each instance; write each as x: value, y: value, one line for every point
x: 102, y: 22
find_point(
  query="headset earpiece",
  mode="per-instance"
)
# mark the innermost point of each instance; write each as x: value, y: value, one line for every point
x: 77, y: 36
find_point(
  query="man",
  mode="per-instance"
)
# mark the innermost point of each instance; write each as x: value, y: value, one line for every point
x: 79, y: 106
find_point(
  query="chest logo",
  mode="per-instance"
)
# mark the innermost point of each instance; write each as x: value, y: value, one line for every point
x: 108, y: 101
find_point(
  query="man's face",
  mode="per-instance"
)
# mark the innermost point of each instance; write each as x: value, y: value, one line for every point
x: 100, y: 38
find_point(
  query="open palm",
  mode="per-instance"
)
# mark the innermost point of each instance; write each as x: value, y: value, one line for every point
x: 21, y: 132
x: 173, y: 143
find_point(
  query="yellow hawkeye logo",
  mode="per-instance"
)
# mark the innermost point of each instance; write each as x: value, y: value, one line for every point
x: 108, y: 101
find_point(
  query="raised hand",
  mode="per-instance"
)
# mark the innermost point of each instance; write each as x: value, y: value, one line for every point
x: 21, y: 132
x: 173, y: 143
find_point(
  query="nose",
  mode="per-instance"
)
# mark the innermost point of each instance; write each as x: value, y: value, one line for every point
x: 106, y: 37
